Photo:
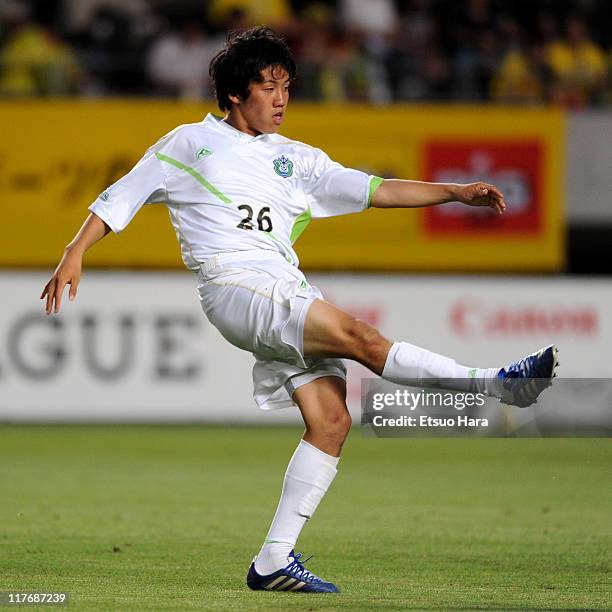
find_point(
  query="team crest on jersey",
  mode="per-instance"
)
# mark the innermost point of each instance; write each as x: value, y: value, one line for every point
x: 283, y: 166
x: 203, y: 152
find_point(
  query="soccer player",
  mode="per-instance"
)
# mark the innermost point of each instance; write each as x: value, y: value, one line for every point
x: 239, y: 195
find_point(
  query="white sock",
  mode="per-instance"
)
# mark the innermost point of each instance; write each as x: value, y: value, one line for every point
x: 308, y: 476
x: 408, y: 364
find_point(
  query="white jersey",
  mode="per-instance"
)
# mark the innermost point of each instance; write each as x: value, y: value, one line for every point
x: 228, y: 191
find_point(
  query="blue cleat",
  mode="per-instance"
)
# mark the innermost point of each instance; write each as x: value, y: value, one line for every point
x: 523, y: 381
x: 293, y: 577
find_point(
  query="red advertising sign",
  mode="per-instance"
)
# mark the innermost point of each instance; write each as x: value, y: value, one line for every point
x: 514, y: 166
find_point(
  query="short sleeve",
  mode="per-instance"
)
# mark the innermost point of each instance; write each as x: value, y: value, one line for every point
x: 331, y: 189
x: 144, y: 184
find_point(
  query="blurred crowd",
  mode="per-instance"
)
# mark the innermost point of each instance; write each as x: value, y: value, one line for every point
x: 378, y: 51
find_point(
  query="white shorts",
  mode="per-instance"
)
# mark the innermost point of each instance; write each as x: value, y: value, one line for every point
x: 258, y: 302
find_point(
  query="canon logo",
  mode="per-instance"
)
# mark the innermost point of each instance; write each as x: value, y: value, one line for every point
x: 473, y: 317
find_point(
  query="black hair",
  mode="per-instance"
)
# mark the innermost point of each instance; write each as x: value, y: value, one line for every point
x: 242, y: 60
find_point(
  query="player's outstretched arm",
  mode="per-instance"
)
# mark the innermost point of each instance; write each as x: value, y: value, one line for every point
x: 396, y: 193
x: 68, y: 271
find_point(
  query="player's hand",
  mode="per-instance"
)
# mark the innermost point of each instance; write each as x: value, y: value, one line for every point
x: 68, y: 272
x: 482, y: 194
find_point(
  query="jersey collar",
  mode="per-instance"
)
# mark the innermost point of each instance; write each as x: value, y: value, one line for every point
x: 232, y: 132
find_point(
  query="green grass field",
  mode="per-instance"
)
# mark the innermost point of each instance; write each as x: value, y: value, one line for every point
x: 130, y: 518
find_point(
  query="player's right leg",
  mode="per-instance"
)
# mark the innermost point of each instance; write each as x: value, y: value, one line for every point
x: 309, y: 474
x: 331, y: 332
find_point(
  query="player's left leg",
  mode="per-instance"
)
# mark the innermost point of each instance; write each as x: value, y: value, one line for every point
x: 309, y: 474
x: 331, y: 332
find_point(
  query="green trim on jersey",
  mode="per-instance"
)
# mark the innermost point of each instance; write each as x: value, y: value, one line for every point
x: 300, y: 224
x: 375, y: 183
x: 196, y: 175
x: 288, y: 255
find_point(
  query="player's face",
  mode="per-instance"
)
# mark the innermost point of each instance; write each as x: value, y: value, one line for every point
x: 264, y: 110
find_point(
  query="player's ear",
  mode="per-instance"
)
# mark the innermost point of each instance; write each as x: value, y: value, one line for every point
x: 233, y: 99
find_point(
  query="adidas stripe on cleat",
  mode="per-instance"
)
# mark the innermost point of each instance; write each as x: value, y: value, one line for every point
x: 523, y: 381
x: 293, y: 577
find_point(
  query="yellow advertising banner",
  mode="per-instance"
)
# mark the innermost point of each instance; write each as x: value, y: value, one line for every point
x: 56, y: 157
